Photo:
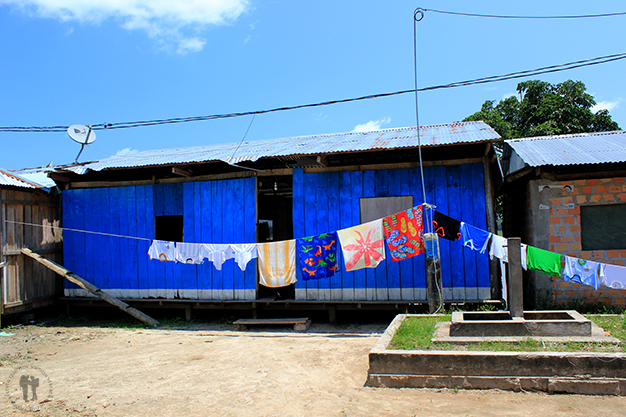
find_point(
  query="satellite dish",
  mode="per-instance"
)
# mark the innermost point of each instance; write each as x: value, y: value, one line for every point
x: 81, y: 134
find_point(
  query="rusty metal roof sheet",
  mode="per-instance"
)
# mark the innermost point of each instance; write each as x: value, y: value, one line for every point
x: 8, y: 178
x: 396, y: 138
x: 573, y: 149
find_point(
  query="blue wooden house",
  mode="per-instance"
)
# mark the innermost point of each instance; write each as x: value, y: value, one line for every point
x: 276, y: 190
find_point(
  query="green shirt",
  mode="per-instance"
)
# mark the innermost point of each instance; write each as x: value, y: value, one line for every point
x: 543, y: 261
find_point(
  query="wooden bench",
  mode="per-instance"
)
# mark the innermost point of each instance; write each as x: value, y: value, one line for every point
x: 300, y: 324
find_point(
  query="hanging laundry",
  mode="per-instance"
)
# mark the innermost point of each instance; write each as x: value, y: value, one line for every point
x: 404, y: 233
x: 317, y: 255
x: 523, y: 248
x: 543, y: 261
x: 162, y: 250
x: 581, y: 271
x: 362, y: 245
x: 474, y: 238
x: 189, y: 253
x: 446, y: 227
x: 499, y: 250
x: 277, y: 263
x: 243, y: 253
x: 613, y: 276
x: 217, y: 253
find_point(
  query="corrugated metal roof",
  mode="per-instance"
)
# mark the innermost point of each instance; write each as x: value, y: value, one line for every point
x: 574, y: 149
x: 7, y: 178
x: 436, y: 135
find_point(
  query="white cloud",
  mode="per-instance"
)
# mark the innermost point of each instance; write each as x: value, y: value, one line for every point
x: 606, y: 105
x: 371, y: 125
x: 126, y: 151
x: 164, y: 20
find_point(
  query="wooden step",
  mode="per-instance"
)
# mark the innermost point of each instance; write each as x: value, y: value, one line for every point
x: 300, y: 324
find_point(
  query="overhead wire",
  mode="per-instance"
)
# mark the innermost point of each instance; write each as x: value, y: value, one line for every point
x: 494, y: 16
x: 483, y: 80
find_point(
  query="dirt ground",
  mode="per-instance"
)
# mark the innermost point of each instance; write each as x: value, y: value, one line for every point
x: 214, y: 370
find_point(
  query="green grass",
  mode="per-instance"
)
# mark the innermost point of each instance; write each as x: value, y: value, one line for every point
x: 416, y: 333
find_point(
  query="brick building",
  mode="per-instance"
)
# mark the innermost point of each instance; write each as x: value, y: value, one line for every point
x: 567, y: 194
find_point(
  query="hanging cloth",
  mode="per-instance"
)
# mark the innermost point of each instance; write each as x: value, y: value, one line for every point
x: 446, y: 227
x: 613, y: 276
x: 581, y: 271
x: 277, y: 263
x: 523, y: 248
x: 404, y: 233
x: 499, y: 249
x: 474, y: 238
x: 317, y: 256
x: 362, y: 245
x: 243, y: 253
x: 543, y: 261
x: 162, y: 250
x: 189, y: 253
x: 217, y: 253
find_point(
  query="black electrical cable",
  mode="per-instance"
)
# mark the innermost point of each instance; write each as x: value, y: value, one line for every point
x: 483, y: 80
x: 585, y: 16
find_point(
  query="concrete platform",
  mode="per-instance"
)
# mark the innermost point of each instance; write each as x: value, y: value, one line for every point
x: 589, y: 373
x: 299, y: 324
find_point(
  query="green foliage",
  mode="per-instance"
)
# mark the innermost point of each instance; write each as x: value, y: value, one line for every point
x: 416, y: 332
x: 545, y: 109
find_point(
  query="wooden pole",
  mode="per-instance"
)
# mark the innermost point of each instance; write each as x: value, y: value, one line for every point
x: 90, y: 287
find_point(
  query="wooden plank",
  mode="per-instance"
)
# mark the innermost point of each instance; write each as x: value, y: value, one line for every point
x: 469, y: 255
x: 132, y: 244
x: 322, y: 214
x: 456, y: 248
x: 229, y: 220
x: 206, y: 269
x: 359, y: 276
x: 419, y: 262
x: 334, y: 224
x: 345, y: 219
x: 143, y: 286
x: 369, y: 190
x: 34, y: 288
x: 298, y: 220
x: 310, y: 227
x: 482, y: 262
x: 115, y: 251
x: 250, y: 221
x: 217, y: 197
x: 441, y: 200
x: 272, y: 321
x: 90, y: 287
x: 381, y: 187
x: 238, y: 235
x: 156, y: 269
x: 188, y: 274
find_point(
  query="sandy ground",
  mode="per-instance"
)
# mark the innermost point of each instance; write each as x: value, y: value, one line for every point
x: 214, y: 370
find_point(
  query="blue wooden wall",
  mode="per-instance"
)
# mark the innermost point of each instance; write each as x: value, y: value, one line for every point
x: 214, y: 212
x: 324, y: 202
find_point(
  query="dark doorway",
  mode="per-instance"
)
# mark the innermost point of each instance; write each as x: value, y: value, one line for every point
x: 275, y: 223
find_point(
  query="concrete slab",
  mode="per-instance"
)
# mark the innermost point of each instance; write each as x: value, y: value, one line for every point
x: 442, y: 334
x: 602, y: 373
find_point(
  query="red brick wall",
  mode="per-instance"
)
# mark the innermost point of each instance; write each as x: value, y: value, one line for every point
x: 565, y: 237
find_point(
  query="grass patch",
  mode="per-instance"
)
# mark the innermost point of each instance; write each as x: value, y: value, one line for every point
x: 416, y: 333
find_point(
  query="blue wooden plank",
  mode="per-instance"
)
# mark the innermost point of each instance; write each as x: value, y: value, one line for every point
x: 394, y: 188
x: 441, y: 200
x: 205, y: 276
x: 381, y: 178
x: 406, y: 266
x: 133, y: 243
x: 238, y: 232
x: 356, y: 190
x: 480, y: 219
x: 323, y: 191
x: 467, y: 208
x: 115, y: 251
x: 418, y: 263
x: 69, y: 237
x: 249, y: 227
x: 156, y: 269
x: 456, y: 248
x: 126, y: 267
x: 369, y: 190
x: 142, y: 245
x: 334, y: 223
x: 76, y: 262
x: 188, y: 273
x: 310, y: 226
x: 217, y: 197
x: 298, y: 217
x: 230, y: 221
x: 345, y: 220
x: 92, y: 241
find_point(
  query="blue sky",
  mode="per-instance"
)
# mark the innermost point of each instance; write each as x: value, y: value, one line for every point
x: 96, y: 61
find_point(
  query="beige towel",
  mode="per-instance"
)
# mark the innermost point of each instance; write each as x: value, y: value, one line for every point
x: 277, y: 263
x: 362, y: 245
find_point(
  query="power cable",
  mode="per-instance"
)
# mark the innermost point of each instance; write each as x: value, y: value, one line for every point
x: 421, y: 11
x: 484, y: 80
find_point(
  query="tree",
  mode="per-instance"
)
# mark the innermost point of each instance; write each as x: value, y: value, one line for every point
x: 545, y: 109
